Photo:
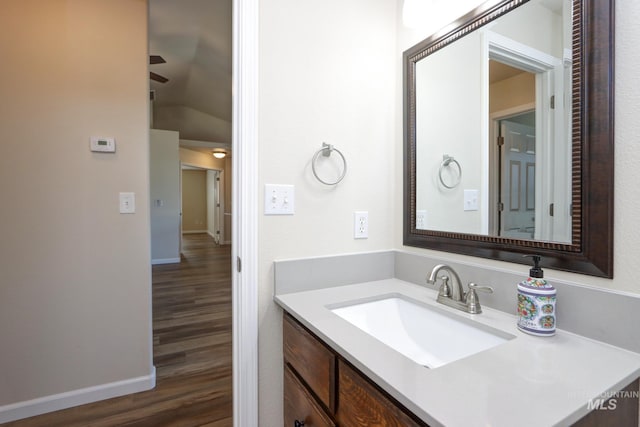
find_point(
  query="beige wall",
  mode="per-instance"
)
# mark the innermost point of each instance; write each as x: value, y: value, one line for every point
x: 194, y: 200
x: 200, y: 159
x: 75, y: 287
x: 326, y: 74
x: 512, y: 92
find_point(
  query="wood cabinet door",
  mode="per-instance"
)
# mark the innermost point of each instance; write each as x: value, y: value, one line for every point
x: 313, y: 362
x: 300, y: 406
x: 360, y: 404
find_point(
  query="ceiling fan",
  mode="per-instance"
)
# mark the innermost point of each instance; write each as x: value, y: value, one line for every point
x: 157, y: 59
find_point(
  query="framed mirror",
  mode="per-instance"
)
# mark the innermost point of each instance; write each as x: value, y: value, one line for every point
x: 508, y: 135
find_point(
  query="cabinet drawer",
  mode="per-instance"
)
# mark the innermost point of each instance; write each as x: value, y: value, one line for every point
x: 300, y: 406
x: 360, y: 404
x: 313, y: 362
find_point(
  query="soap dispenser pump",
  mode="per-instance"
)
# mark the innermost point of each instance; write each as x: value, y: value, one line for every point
x: 536, y: 303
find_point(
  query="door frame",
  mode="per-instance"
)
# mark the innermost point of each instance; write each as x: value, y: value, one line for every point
x: 244, y: 240
x: 218, y: 210
x: 549, y: 72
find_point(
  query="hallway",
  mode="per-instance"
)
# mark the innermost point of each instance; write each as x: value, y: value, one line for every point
x: 191, y: 347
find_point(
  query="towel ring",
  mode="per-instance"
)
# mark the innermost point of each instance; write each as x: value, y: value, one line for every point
x: 446, y: 161
x: 326, y: 152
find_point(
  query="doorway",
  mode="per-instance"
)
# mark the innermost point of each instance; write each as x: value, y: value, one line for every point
x: 244, y: 206
x: 192, y: 96
x: 203, y: 202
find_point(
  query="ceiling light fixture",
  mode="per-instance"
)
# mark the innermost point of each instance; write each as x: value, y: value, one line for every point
x: 219, y: 154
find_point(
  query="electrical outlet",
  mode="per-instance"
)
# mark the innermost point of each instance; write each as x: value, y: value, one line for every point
x: 421, y: 219
x: 361, y: 225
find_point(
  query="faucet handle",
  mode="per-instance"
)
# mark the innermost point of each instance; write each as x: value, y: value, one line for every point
x: 474, y: 287
x: 471, y: 298
x: 445, y: 289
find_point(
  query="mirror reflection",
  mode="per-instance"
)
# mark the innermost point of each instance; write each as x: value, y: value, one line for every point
x: 493, y: 128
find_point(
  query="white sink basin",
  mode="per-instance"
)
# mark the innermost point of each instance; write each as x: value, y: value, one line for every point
x: 425, y: 334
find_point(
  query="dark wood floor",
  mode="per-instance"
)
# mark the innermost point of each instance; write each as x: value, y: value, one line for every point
x: 192, y: 350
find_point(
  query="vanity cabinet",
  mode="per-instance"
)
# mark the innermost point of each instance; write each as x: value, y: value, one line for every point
x: 321, y: 389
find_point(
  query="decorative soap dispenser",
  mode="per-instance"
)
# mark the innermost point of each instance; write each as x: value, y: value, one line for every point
x: 536, y: 303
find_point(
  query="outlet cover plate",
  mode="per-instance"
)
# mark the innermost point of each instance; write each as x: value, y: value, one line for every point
x: 360, y: 225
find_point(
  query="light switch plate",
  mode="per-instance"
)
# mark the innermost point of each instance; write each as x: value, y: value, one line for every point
x: 470, y: 200
x: 127, y: 203
x: 279, y: 199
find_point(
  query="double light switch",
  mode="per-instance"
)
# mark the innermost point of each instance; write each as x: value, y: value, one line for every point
x: 279, y: 199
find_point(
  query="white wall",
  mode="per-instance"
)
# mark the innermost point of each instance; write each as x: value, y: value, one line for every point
x: 326, y: 74
x: 75, y: 287
x: 535, y: 26
x: 453, y: 75
x: 627, y: 172
x: 164, y: 186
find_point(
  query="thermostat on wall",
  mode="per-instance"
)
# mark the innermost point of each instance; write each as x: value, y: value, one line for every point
x: 103, y: 145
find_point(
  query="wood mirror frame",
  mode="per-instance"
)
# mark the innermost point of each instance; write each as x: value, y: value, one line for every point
x: 591, y: 248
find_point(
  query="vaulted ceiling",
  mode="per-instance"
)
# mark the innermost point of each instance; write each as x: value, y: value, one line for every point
x: 194, y: 37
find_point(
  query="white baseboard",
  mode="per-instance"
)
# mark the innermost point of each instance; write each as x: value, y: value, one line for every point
x: 55, y: 402
x: 194, y: 231
x: 165, y: 261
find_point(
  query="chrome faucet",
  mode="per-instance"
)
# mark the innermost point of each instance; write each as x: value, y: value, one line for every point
x: 455, y: 296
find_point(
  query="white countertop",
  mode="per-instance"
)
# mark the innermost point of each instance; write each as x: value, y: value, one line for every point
x: 526, y: 381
